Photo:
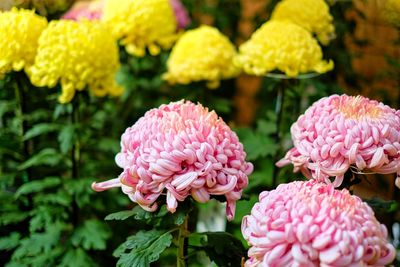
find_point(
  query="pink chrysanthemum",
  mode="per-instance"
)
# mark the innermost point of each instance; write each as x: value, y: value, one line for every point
x: 312, y: 224
x: 91, y: 10
x: 180, y: 149
x: 181, y: 14
x: 341, y: 132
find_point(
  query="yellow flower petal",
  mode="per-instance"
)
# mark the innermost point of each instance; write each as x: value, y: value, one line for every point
x: 202, y: 54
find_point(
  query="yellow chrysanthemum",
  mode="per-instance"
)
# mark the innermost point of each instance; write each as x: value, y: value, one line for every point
x: 79, y: 55
x: 391, y: 12
x: 19, y: 34
x: 201, y: 54
x: 313, y: 15
x: 283, y: 46
x: 142, y: 24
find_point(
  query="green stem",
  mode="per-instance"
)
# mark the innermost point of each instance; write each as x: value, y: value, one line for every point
x: 75, y: 153
x: 280, y: 97
x: 181, y: 259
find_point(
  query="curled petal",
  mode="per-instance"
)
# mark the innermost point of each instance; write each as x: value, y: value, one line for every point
x: 99, y: 187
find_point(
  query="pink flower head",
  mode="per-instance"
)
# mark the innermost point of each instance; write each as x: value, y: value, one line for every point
x: 181, y: 14
x: 91, y: 10
x: 180, y: 149
x: 341, y: 132
x: 309, y: 224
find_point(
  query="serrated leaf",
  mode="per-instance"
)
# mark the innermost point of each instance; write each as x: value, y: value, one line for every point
x: 39, y: 243
x: 9, y: 242
x: 256, y: 144
x: 92, y: 234
x: 223, y: 248
x: 75, y: 258
x: 266, y: 127
x: 12, y: 217
x: 40, y: 129
x: 146, y: 247
x: 66, y: 138
x: 121, y: 215
x: 38, y: 185
x: 47, y: 156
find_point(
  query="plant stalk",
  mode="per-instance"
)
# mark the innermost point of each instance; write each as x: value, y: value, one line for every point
x: 182, y: 251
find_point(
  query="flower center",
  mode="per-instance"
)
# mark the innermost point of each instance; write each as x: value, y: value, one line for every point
x: 357, y: 107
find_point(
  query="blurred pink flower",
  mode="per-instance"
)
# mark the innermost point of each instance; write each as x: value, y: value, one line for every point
x: 180, y: 149
x: 312, y: 224
x: 181, y: 14
x: 91, y: 10
x: 341, y: 132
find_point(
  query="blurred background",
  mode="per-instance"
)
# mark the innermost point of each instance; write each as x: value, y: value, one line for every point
x: 59, y: 222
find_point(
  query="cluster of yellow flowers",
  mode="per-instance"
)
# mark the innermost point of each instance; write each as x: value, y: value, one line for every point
x: 284, y: 46
x: 79, y: 54
x: 201, y: 54
x: 19, y: 34
x: 391, y: 12
x: 312, y: 15
x: 142, y: 24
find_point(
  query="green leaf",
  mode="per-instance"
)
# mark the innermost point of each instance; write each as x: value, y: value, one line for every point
x: 47, y: 156
x: 266, y: 127
x: 13, y: 217
x: 66, y: 138
x: 76, y: 257
x: 222, y: 248
x: 9, y: 242
x: 381, y: 205
x: 146, y: 247
x: 256, y: 144
x: 38, y: 185
x: 92, y: 234
x: 40, y: 129
x: 120, y: 215
x: 39, y: 243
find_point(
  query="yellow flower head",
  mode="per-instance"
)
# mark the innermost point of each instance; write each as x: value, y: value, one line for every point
x: 201, y: 54
x: 283, y: 46
x: 79, y: 55
x: 141, y: 24
x: 19, y: 34
x: 313, y: 15
x: 391, y: 12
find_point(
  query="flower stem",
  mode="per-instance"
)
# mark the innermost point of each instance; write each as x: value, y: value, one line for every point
x: 75, y: 153
x: 278, y: 113
x: 181, y: 260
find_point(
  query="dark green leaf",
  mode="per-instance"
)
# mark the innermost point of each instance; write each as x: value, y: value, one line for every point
x: 40, y: 129
x: 38, y: 185
x: 47, y: 156
x: 223, y: 248
x: 9, y: 242
x: 92, y: 234
x: 121, y: 215
x: 66, y: 138
x: 76, y: 258
x: 39, y: 243
x: 13, y: 217
x: 146, y: 247
x: 381, y: 205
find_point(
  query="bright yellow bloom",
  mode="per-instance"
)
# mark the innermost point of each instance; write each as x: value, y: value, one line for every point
x: 79, y: 55
x: 283, y: 46
x: 313, y: 15
x: 201, y: 54
x: 391, y: 12
x: 19, y: 34
x: 142, y: 24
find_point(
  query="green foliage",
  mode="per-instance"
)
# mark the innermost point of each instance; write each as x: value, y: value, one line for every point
x: 143, y: 248
x: 91, y: 235
x: 222, y: 248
